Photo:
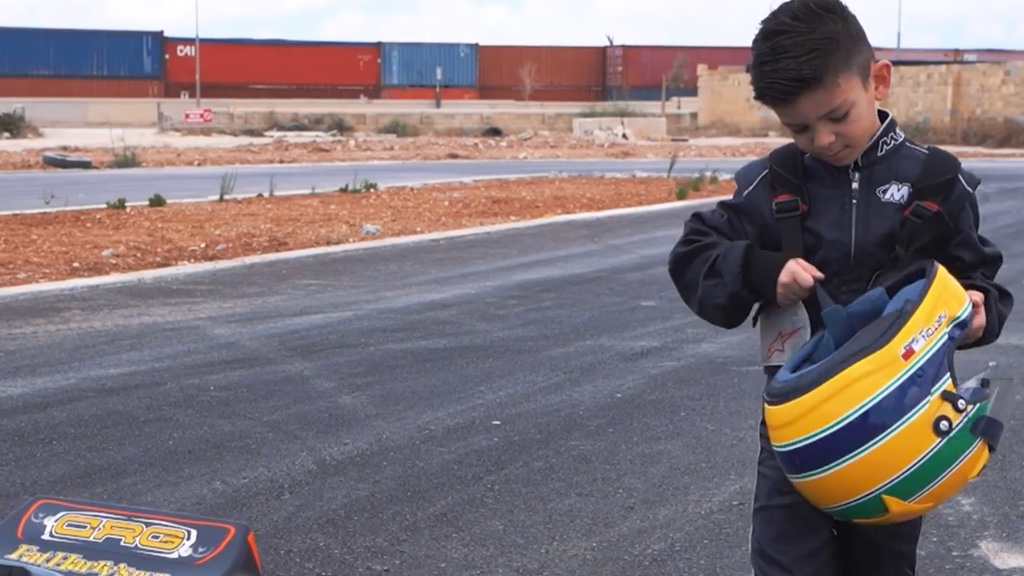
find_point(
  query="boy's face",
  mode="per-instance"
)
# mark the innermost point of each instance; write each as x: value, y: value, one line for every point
x: 837, y: 121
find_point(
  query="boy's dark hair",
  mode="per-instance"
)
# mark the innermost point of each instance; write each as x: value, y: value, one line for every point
x: 805, y: 44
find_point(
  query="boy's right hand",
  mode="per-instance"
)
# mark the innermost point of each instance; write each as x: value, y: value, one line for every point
x: 796, y: 281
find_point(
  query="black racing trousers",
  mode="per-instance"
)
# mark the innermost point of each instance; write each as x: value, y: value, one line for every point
x: 790, y: 537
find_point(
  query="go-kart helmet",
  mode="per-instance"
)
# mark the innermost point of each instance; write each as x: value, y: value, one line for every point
x: 868, y: 419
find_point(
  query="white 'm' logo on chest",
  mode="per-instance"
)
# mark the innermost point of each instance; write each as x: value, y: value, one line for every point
x: 894, y: 192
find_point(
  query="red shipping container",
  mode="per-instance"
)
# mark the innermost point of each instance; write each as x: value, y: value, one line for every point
x: 251, y: 62
x: 644, y: 66
x: 429, y: 94
x: 550, y: 66
x: 989, y: 55
x: 50, y: 87
x: 595, y: 94
x: 256, y: 92
x: 915, y: 55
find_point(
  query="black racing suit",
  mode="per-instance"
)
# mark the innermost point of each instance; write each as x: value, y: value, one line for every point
x: 728, y: 260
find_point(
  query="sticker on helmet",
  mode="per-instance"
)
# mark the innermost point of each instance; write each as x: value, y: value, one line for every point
x: 918, y: 341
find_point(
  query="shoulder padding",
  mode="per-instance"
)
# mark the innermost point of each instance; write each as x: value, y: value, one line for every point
x: 787, y: 170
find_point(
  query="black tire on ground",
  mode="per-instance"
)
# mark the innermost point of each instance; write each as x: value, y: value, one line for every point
x: 65, y: 160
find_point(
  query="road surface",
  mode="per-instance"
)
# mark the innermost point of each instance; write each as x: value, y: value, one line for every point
x: 537, y: 401
x: 25, y: 190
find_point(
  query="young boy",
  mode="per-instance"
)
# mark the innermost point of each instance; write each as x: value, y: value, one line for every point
x: 814, y: 67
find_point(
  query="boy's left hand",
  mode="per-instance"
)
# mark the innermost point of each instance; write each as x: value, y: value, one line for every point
x: 977, y: 326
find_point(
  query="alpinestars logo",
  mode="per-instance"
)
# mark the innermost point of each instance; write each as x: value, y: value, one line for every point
x: 894, y: 192
x: 890, y: 141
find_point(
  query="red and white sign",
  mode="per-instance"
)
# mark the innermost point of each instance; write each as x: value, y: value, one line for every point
x: 204, y: 116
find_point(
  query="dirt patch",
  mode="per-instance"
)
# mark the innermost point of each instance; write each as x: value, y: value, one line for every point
x: 60, y: 245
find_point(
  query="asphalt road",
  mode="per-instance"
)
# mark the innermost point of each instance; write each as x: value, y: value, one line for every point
x: 532, y: 402
x: 25, y: 190
x: 35, y: 190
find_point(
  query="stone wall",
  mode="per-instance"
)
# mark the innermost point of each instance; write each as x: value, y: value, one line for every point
x: 935, y: 94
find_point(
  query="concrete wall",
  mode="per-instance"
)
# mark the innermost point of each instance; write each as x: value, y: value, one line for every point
x: 454, y: 115
x: 934, y: 94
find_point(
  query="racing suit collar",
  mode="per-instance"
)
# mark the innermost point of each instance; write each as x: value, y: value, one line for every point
x: 885, y: 142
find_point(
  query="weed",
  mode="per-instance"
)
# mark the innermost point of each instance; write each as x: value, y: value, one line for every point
x: 358, y: 186
x: 335, y: 123
x: 697, y: 182
x: 17, y: 125
x: 227, y: 184
x: 682, y: 190
x: 616, y: 111
x: 157, y: 201
x: 119, y: 204
x: 399, y: 128
x: 127, y: 158
x: 672, y: 162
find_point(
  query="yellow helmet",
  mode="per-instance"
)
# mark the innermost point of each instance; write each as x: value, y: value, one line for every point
x: 868, y: 419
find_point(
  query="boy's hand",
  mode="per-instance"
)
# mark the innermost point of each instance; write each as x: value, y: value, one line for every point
x: 978, y: 319
x: 796, y: 282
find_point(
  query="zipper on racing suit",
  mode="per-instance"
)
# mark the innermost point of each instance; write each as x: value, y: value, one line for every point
x: 854, y: 191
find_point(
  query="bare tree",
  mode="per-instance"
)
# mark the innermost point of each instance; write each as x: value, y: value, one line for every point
x: 528, y: 77
x: 679, y: 74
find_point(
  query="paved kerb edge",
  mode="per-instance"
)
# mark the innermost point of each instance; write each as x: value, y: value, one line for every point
x: 28, y: 290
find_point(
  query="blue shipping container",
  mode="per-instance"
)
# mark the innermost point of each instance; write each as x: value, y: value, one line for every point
x: 414, y: 64
x: 68, y: 53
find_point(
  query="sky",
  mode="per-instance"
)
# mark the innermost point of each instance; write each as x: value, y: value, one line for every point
x: 966, y: 24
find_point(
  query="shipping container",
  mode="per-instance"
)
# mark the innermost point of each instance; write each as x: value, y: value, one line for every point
x: 72, y: 53
x: 414, y: 64
x: 544, y: 66
x: 915, y: 55
x: 989, y: 55
x: 595, y: 94
x: 645, y: 66
x: 243, y: 62
x: 429, y: 93
x: 39, y: 87
x: 185, y: 90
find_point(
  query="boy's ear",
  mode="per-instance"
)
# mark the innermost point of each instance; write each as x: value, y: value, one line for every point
x: 881, y: 79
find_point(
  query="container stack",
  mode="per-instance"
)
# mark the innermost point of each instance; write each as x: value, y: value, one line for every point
x: 542, y: 73
x: 280, y: 69
x: 67, y: 63
x: 64, y: 63
x: 410, y: 70
x: 640, y: 72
